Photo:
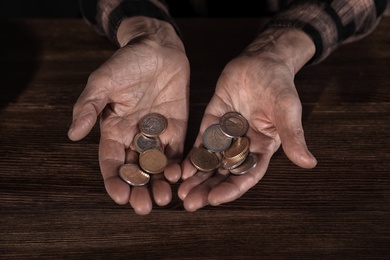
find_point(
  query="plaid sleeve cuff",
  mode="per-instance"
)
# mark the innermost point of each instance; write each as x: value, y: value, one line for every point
x: 128, y: 9
x: 329, y: 23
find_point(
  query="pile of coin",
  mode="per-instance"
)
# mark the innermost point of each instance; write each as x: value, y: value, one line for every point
x: 146, y: 142
x: 225, y: 145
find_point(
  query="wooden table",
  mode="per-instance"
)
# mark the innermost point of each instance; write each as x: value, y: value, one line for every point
x: 53, y: 202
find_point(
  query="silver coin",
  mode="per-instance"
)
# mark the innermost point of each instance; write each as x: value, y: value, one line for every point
x: 233, y: 124
x: 215, y: 140
x: 152, y: 124
x: 133, y: 175
x: 143, y: 143
x: 249, y: 163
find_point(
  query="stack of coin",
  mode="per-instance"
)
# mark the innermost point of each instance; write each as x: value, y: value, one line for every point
x: 226, y: 145
x: 236, y: 154
x: 152, y: 159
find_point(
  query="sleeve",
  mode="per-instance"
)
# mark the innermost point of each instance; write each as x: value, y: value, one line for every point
x: 331, y: 23
x: 106, y: 15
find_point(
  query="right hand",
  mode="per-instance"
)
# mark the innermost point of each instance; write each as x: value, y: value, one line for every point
x: 149, y: 74
x: 259, y: 84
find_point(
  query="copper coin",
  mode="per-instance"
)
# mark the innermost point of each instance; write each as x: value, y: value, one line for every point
x: 233, y: 124
x: 215, y: 140
x: 152, y: 124
x: 204, y: 160
x: 133, y: 175
x: 153, y: 161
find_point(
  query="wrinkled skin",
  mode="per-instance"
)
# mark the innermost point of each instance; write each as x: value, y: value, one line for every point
x: 144, y: 76
x: 261, y: 88
x: 151, y: 74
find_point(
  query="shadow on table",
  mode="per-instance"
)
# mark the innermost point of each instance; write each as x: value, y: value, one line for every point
x: 19, y: 60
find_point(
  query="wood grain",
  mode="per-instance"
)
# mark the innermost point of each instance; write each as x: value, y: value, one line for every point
x: 53, y: 202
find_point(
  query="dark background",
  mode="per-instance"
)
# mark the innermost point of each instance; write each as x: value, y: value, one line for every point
x: 70, y: 8
x: 39, y: 8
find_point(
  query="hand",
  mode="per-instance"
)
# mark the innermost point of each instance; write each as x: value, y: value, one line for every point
x: 259, y: 85
x: 149, y: 74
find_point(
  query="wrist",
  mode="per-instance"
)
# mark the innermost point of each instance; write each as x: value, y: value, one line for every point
x: 136, y: 27
x: 288, y: 45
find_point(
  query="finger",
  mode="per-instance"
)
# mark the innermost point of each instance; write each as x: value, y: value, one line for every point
x: 235, y: 186
x: 140, y: 200
x: 172, y: 172
x: 85, y: 112
x: 187, y: 168
x: 198, y: 196
x: 111, y: 158
x: 187, y: 185
x: 288, y: 124
x: 174, y: 137
x: 162, y: 192
x: 294, y: 145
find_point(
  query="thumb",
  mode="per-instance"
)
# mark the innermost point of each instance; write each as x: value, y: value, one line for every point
x: 289, y: 127
x: 85, y: 113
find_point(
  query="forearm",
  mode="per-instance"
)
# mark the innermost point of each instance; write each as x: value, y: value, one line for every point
x: 107, y: 15
x: 289, y: 46
x: 142, y: 27
x: 331, y: 23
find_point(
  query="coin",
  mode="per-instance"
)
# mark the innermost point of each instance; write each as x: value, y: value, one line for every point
x: 249, y: 163
x: 204, y: 160
x: 153, y: 161
x: 238, y: 147
x: 133, y: 175
x: 143, y: 143
x: 233, y: 124
x: 233, y: 162
x: 152, y: 124
x: 236, y: 153
x: 215, y: 140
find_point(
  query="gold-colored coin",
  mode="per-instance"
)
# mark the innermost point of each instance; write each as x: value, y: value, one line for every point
x: 153, y: 161
x: 133, y: 175
x: 233, y: 162
x: 204, y: 160
x: 238, y: 147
